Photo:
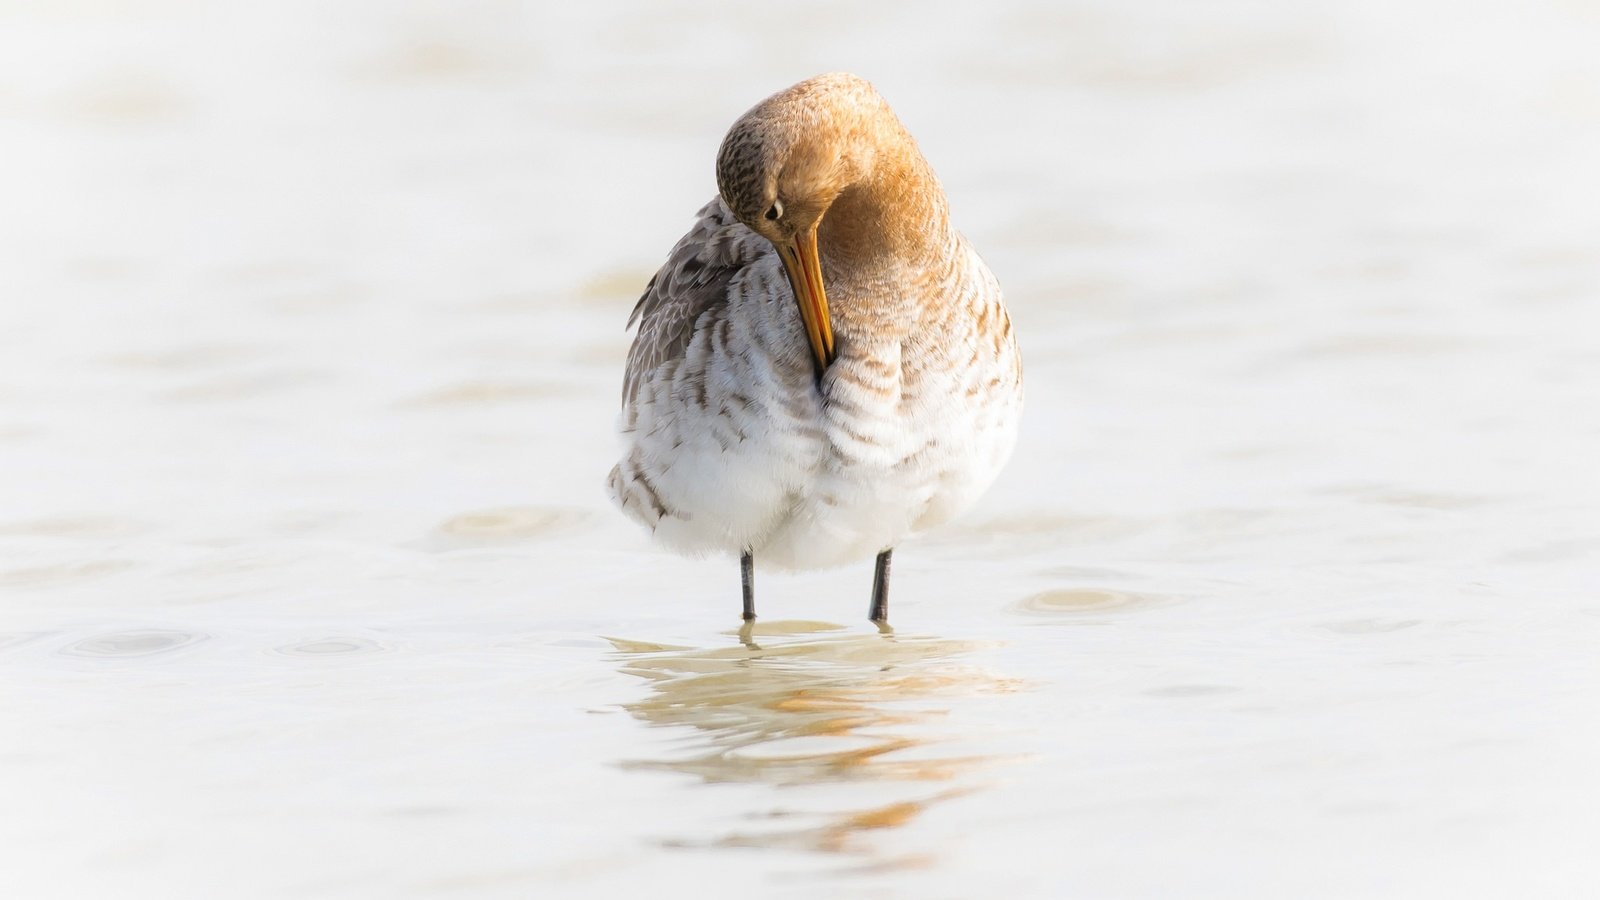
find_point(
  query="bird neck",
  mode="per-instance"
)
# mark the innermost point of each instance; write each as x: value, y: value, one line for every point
x: 895, y: 216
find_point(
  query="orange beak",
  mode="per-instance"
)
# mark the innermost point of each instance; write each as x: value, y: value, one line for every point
x: 805, y: 276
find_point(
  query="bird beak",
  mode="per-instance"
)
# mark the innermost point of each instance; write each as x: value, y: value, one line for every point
x: 805, y: 276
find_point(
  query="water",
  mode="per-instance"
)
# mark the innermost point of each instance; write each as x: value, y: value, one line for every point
x: 310, y: 344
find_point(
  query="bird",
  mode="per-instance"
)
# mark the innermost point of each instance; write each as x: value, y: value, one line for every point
x: 824, y: 365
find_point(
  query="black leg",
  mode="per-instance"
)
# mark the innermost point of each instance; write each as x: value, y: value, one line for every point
x: 747, y: 576
x: 880, y: 588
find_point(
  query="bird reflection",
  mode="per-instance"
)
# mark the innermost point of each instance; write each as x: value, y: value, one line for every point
x: 802, y: 703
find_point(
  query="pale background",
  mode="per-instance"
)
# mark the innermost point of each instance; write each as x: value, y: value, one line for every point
x: 310, y: 347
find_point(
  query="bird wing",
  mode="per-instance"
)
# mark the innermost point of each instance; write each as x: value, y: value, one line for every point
x: 694, y: 280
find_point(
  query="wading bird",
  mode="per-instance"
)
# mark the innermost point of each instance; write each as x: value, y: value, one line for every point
x: 823, y: 365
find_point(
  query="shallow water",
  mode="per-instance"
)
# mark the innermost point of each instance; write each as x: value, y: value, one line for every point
x: 310, y: 344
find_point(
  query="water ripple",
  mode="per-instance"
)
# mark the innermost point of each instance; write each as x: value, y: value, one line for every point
x: 63, y: 573
x: 333, y: 646
x: 487, y: 393
x: 1078, y: 601
x: 1369, y: 626
x: 510, y: 523
x: 74, y: 526
x: 128, y: 644
x: 12, y: 639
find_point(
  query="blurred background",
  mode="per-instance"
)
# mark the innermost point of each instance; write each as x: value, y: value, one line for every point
x: 311, y: 336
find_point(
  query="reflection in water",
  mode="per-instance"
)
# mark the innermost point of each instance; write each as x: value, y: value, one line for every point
x: 795, y: 705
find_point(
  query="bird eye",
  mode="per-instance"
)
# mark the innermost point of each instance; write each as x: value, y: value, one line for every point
x: 776, y: 212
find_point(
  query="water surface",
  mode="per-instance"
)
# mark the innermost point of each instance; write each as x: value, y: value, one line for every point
x: 310, y: 346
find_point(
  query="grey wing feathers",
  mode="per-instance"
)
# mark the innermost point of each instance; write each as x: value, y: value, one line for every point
x: 695, y: 279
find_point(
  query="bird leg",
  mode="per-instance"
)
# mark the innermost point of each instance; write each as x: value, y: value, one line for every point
x: 879, y: 612
x: 747, y: 577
